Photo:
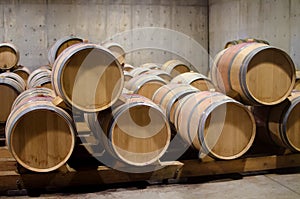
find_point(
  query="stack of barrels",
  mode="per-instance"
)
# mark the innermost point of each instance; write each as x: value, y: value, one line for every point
x: 134, y: 113
x: 263, y: 77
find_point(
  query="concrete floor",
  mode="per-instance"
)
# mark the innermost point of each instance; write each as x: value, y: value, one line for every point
x: 281, y: 186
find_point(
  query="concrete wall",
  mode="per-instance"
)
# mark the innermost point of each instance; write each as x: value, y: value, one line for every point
x: 34, y: 25
x: 277, y: 21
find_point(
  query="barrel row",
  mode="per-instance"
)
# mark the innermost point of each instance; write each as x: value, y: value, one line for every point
x: 134, y: 128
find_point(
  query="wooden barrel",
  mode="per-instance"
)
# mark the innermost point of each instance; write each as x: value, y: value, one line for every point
x: 134, y: 131
x: 260, y: 74
x: 280, y: 123
x: 40, y: 136
x: 11, y: 85
x: 60, y: 45
x: 145, y: 85
x: 23, y: 72
x: 297, y: 83
x: 127, y: 76
x: 9, y: 56
x: 175, y: 67
x: 47, y: 66
x: 215, y: 124
x: 168, y: 96
x: 248, y: 40
x: 40, y: 78
x: 138, y: 71
x: 117, y: 50
x: 160, y: 73
x: 87, y: 77
x: 197, y: 80
x: 127, y: 67
x: 151, y: 66
x: 33, y: 93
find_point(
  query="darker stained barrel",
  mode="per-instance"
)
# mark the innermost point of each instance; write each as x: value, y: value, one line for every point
x: 257, y: 73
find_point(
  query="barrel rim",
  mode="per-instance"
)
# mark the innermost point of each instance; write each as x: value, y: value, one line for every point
x: 120, y: 112
x: 243, y: 73
x: 204, y: 116
x: 63, y: 58
x: 15, y: 49
x: 284, y: 127
x: 40, y: 106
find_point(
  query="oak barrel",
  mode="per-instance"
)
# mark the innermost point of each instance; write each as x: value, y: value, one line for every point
x: 60, y: 45
x: 127, y: 76
x: 215, y: 124
x: 258, y: 73
x: 117, y: 50
x: 197, y: 80
x: 168, y: 96
x: 297, y: 83
x: 87, y: 77
x: 134, y: 131
x: 11, y: 85
x: 138, y: 71
x: 175, y: 67
x: 127, y: 67
x: 33, y: 93
x: 280, y: 123
x: 248, y: 40
x: 40, y: 136
x: 40, y: 77
x: 145, y: 85
x: 23, y: 72
x: 160, y: 73
x: 9, y: 56
x: 151, y: 66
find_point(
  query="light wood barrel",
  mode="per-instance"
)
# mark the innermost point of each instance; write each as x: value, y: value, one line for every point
x: 145, y: 85
x: 40, y: 136
x: 9, y: 56
x: 11, y: 85
x: 197, y: 80
x: 40, y: 78
x: 87, y: 77
x: 160, y: 73
x: 138, y: 71
x: 60, y: 45
x: 135, y: 131
x: 280, y: 123
x: 117, y: 50
x: 297, y: 83
x: 168, y: 96
x: 215, y: 124
x: 260, y: 74
x: 127, y: 67
x: 151, y: 66
x: 23, y: 72
x: 33, y: 93
x: 127, y: 76
x: 175, y: 67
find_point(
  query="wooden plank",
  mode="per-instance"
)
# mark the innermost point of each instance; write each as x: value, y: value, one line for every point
x: 194, y: 168
x: 101, y: 175
x: 9, y: 180
x: 4, y: 153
